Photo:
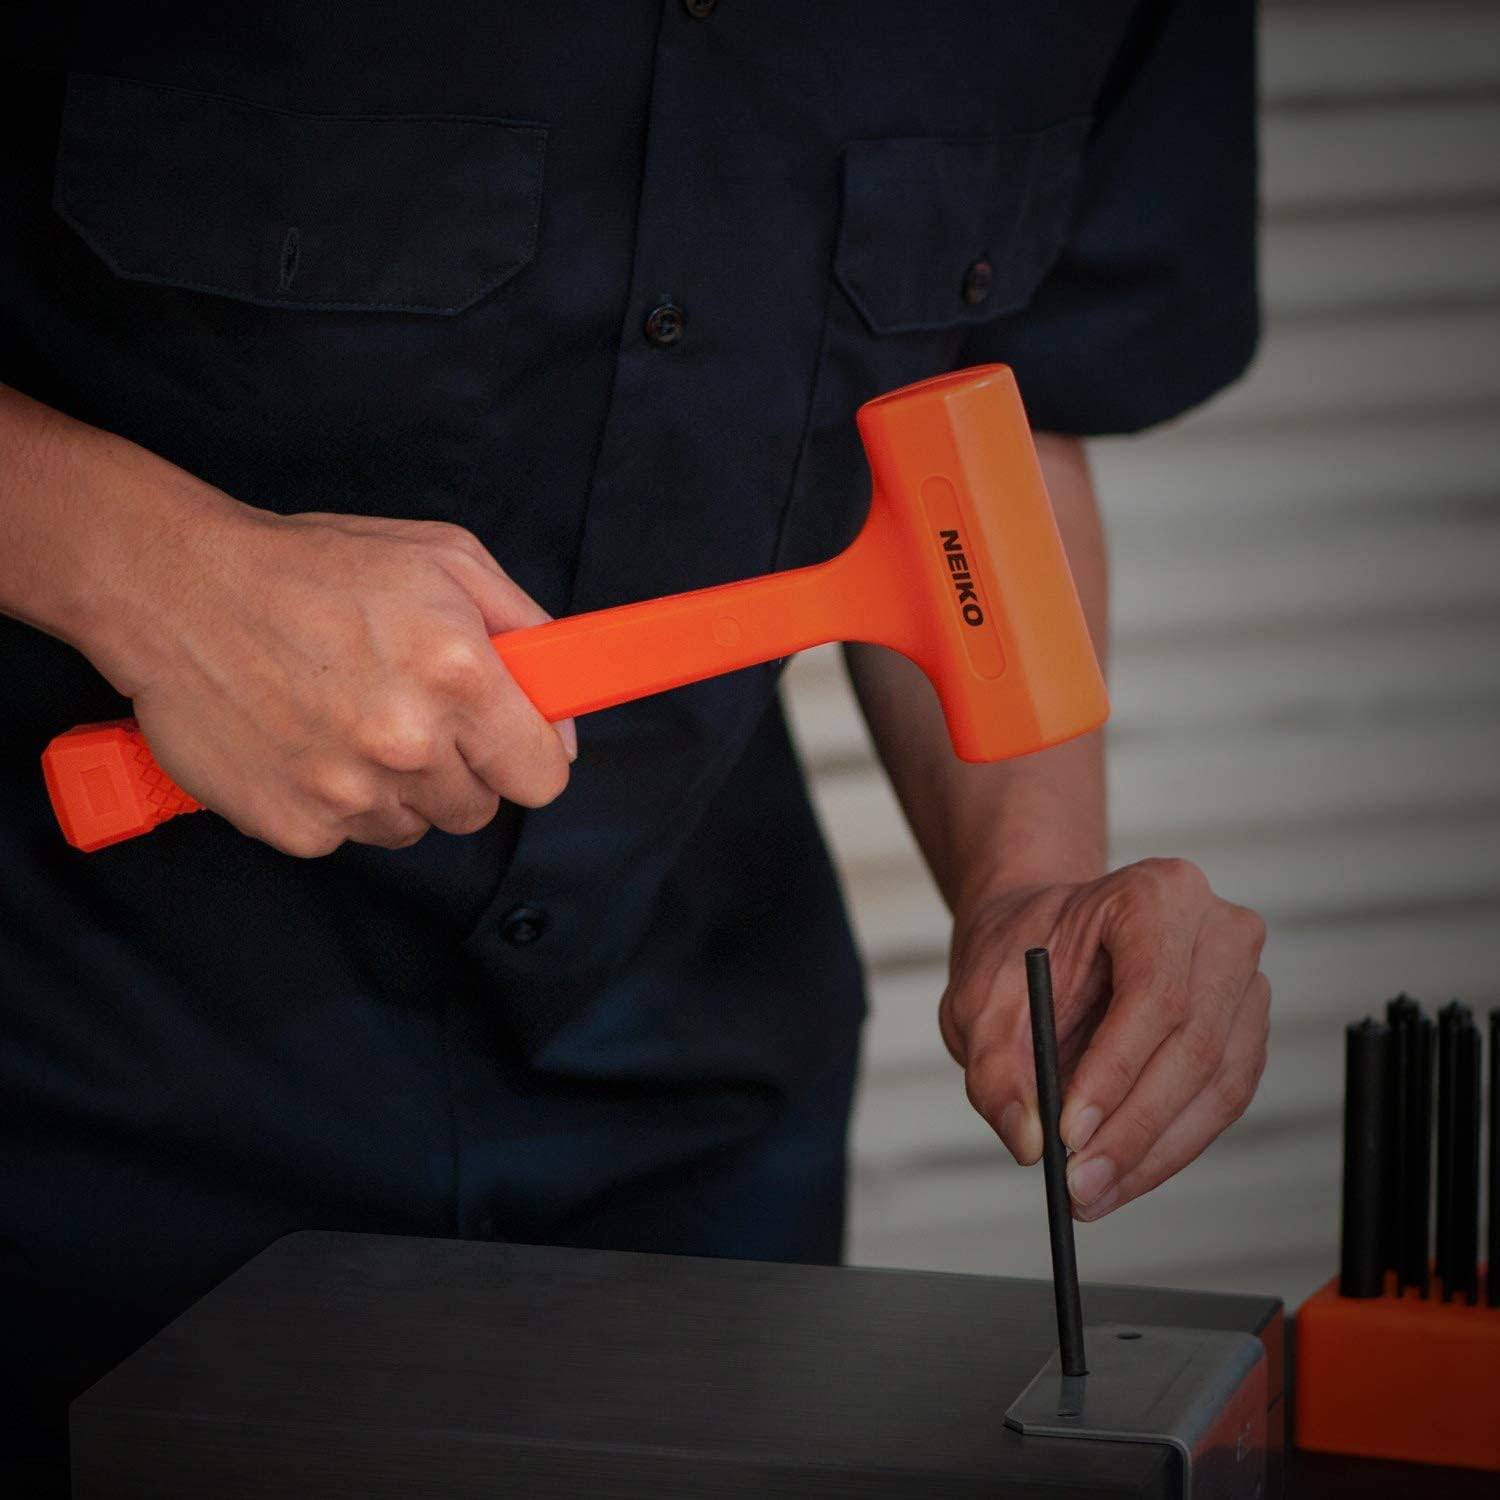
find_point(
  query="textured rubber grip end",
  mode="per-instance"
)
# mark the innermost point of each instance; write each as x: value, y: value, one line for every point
x: 106, y: 786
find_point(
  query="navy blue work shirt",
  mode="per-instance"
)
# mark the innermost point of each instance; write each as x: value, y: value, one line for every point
x: 412, y: 260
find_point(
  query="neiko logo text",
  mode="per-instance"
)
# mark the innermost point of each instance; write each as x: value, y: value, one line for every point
x: 963, y: 579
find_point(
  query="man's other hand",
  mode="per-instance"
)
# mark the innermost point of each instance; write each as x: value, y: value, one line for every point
x: 1162, y: 1017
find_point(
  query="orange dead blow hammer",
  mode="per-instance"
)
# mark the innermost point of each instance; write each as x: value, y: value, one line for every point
x: 958, y: 566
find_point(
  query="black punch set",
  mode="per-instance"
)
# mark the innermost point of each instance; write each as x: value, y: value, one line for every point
x: 1389, y: 1099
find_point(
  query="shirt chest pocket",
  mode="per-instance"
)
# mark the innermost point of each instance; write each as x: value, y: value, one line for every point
x: 935, y: 236
x: 935, y: 233
x: 408, y: 213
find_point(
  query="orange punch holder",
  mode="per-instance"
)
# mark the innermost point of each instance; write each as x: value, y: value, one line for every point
x: 1399, y: 1377
x: 959, y: 566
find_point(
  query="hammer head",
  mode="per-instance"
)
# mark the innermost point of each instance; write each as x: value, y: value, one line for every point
x: 963, y: 569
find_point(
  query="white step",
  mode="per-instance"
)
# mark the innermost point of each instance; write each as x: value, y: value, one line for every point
x: 1394, y: 568
x: 1321, y: 160
x: 1328, y: 52
x: 1320, y: 266
x: 1336, y: 474
x: 1326, y: 369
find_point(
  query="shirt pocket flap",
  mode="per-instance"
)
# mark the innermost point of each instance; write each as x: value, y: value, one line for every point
x: 936, y: 233
x: 402, y: 213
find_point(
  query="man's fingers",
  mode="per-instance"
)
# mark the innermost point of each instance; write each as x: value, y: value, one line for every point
x: 450, y: 796
x: 515, y: 752
x: 1005, y: 1095
x: 1217, y: 1106
x: 1001, y: 1084
x: 1222, y: 969
x: 391, y: 826
x: 1151, y: 964
x: 995, y: 1048
x: 505, y: 606
x: 503, y: 603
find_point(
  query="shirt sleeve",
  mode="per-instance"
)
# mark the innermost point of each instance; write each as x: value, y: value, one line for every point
x: 1151, y: 306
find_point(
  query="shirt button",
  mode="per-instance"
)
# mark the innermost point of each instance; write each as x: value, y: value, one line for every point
x: 978, y: 280
x: 665, y: 324
x: 523, y: 925
x: 699, y: 9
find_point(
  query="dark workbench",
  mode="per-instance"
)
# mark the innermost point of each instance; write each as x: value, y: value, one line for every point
x: 372, y: 1366
x: 375, y: 1366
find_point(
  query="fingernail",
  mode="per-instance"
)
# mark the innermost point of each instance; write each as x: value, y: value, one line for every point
x: 1083, y: 1125
x: 569, y: 733
x: 1087, y: 1180
x: 1098, y: 1208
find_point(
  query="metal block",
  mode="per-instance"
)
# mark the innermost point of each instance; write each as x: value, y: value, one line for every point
x: 1200, y: 1391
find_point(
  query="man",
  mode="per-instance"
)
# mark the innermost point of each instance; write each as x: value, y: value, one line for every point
x: 337, y: 339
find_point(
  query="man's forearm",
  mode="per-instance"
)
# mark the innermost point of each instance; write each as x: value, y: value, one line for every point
x: 93, y: 528
x: 987, y: 828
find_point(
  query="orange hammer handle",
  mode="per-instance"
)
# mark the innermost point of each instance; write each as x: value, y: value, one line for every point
x: 587, y: 662
x: 106, y: 786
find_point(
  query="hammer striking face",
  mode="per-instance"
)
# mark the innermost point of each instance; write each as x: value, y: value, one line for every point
x: 959, y: 566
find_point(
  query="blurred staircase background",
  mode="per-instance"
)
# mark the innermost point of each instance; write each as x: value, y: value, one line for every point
x: 1306, y: 677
